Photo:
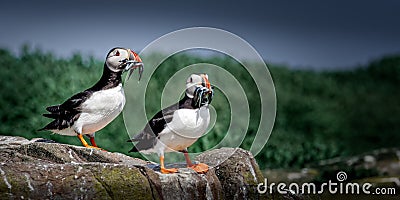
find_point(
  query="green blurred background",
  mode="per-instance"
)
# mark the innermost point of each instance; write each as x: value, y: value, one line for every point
x: 320, y: 114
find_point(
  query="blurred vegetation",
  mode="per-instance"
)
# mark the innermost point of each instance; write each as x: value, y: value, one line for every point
x: 320, y: 115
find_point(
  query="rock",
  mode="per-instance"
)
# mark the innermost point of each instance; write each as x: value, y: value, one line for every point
x: 378, y: 163
x: 40, y: 169
x: 380, y: 168
x: 239, y: 174
x: 386, y: 161
x: 305, y: 175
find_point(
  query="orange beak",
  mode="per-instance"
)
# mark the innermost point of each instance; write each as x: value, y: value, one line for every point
x: 134, y: 56
x: 208, y: 84
x: 135, y: 62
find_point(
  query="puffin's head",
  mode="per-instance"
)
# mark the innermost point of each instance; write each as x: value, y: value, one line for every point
x: 122, y: 59
x: 198, y: 88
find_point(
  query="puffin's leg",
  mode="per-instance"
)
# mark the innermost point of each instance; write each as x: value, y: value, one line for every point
x: 163, y: 169
x: 199, y: 168
x: 84, y: 143
x: 187, y: 158
x: 91, y: 137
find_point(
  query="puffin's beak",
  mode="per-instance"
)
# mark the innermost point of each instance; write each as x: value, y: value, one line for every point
x: 133, y: 62
x: 207, y: 83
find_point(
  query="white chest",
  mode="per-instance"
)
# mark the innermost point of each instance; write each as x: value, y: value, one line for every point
x: 185, y: 128
x: 100, y: 109
x: 190, y: 122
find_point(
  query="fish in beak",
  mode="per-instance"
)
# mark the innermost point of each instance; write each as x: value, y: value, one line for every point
x: 133, y: 62
x: 203, y: 94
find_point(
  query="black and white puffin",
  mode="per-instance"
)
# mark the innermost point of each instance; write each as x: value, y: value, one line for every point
x: 91, y: 110
x: 178, y: 126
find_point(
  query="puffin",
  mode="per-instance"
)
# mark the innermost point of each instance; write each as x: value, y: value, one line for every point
x: 178, y: 126
x: 89, y: 111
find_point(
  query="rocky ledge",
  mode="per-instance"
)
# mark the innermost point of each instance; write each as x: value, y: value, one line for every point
x: 36, y: 169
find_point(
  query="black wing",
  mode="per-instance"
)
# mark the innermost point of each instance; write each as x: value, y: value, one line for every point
x: 65, y: 114
x: 147, y: 138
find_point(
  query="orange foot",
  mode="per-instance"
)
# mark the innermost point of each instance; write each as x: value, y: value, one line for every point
x: 168, y: 171
x: 85, y: 144
x: 200, y: 168
x: 93, y: 147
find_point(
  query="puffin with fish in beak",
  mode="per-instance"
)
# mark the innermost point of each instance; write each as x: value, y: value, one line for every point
x: 178, y: 126
x: 91, y: 110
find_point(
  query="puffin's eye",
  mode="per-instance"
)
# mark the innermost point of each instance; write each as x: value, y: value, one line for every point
x: 117, y: 53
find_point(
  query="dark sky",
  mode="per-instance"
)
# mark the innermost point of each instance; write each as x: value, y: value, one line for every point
x: 317, y: 34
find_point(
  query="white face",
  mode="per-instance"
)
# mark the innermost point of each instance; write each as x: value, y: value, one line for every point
x: 194, y: 81
x: 115, y: 57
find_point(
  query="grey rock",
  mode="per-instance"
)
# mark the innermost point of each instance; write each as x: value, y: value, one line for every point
x: 237, y: 171
x: 40, y: 169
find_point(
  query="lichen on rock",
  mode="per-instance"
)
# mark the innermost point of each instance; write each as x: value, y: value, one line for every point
x: 37, y: 169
